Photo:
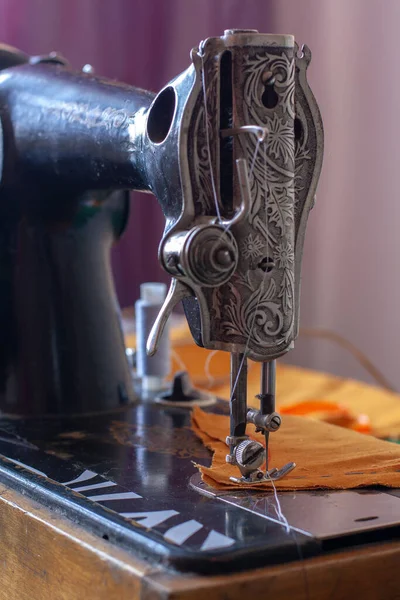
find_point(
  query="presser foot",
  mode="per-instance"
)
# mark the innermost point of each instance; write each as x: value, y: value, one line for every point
x: 261, y: 477
x: 248, y: 455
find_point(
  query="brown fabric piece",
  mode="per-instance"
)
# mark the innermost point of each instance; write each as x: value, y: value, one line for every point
x: 326, y: 456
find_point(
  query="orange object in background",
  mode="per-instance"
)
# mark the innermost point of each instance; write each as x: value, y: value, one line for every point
x: 330, y: 412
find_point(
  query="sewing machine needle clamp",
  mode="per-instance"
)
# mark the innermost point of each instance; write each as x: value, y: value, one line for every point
x: 248, y: 455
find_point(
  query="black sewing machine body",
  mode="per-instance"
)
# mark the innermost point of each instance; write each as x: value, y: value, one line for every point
x: 74, y: 433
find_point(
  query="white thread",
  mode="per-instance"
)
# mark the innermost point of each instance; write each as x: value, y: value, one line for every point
x: 266, y: 200
x: 210, y: 378
x: 261, y: 286
x: 278, y: 508
x: 178, y: 360
x: 282, y: 519
x: 254, y: 156
x: 285, y: 523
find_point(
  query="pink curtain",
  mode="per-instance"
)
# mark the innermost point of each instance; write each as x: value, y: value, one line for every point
x: 351, y: 268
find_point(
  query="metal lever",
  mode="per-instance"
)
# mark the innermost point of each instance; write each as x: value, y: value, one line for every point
x: 260, y: 132
x: 242, y: 169
x: 177, y: 292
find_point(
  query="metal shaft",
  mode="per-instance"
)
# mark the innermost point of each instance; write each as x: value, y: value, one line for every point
x: 267, y: 395
x: 238, y: 404
x: 268, y: 382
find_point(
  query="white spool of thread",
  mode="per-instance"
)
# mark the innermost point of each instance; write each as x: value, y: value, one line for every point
x: 152, y: 370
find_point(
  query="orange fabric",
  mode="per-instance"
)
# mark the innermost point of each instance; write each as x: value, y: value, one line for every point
x: 326, y: 456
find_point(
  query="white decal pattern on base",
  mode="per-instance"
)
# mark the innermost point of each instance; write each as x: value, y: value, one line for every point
x: 152, y: 518
x: 178, y: 534
x: 182, y: 532
x: 83, y: 477
x: 216, y: 540
x: 94, y: 486
x: 116, y: 496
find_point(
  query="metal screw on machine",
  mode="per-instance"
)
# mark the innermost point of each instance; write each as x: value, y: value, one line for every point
x: 274, y: 422
x: 264, y: 422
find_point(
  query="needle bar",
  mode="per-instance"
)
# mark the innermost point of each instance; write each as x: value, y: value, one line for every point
x: 267, y: 396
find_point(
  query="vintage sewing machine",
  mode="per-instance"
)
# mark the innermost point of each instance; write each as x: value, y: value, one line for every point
x: 232, y: 150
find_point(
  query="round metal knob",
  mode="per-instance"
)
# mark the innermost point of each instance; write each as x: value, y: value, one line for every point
x: 224, y: 258
x: 249, y: 455
x: 207, y: 255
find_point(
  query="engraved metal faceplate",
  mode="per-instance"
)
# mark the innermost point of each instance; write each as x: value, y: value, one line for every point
x: 241, y: 79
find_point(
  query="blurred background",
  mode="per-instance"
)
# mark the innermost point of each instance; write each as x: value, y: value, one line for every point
x: 351, y: 275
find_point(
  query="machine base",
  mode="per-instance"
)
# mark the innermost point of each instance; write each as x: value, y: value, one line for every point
x: 125, y: 477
